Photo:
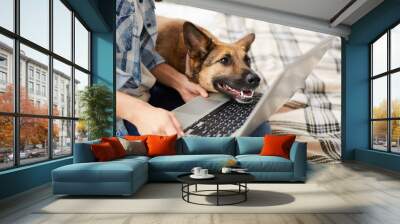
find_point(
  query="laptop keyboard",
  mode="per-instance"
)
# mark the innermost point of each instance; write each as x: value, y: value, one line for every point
x: 224, y: 120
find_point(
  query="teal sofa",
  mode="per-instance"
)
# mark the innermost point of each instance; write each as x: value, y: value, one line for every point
x: 125, y: 176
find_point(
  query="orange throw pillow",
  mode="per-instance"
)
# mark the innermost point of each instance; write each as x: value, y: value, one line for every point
x: 136, y: 137
x: 277, y: 145
x: 116, y: 145
x: 103, y: 152
x: 161, y: 145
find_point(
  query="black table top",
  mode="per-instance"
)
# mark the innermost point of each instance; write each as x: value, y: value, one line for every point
x: 220, y: 178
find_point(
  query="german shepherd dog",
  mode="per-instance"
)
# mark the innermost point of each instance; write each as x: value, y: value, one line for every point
x: 215, y: 65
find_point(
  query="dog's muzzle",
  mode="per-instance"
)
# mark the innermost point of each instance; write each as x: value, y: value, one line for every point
x: 242, y: 90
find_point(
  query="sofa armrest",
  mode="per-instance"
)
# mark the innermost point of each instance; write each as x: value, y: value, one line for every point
x: 298, y: 155
x: 83, y: 152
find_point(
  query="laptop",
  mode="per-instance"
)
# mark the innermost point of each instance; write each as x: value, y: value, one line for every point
x: 219, y: 115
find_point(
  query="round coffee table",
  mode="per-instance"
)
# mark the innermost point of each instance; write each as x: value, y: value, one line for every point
x: 238, y: 179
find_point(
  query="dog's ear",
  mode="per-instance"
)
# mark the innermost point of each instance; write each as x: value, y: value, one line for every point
x: 198, y: 43
x: 246, y: 41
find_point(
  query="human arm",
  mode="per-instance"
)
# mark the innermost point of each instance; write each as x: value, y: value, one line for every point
x: 169, y: 76
x: 146, y: 118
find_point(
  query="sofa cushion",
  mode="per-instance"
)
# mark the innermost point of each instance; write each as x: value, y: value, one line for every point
x: 113, y: 171
x: 103, y: 152
x: 249, y: 145
x: 161, y: 145
x: 257, y: 163
x: 277, y: 145
x: 185, y: 163
x: 116, y: 145
x: 206, y: 145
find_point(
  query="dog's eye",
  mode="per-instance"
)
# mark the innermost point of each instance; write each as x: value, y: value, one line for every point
x: 225, y: 60
x: 247, y: 60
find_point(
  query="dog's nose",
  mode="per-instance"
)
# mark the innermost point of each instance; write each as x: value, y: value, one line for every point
x: 252, y: 79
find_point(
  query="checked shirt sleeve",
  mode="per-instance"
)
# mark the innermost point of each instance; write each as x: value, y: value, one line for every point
x: 150, y: 57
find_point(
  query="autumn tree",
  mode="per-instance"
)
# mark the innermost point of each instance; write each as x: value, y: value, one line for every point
x: 33, y: 131
x: 380, y: 127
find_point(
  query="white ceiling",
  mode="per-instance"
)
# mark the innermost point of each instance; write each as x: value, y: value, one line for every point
x: 313, y: 15
x: 321, y: 9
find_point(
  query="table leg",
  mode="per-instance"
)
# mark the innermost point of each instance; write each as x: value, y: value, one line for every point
x: 217, y: 194
x: 188, y: 190
x: 245, y: 193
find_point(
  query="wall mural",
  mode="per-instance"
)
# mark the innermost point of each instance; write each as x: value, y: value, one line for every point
x: 207, y: 73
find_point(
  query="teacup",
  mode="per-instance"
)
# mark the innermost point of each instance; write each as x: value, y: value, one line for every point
x: 203, y: 172
x: 196, y: 171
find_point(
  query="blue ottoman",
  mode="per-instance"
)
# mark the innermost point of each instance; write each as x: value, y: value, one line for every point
x: 118, y: 177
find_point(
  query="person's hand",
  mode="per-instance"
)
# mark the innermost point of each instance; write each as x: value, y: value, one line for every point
x: 157, y: 121
x: 146, y: 118
x: 169, y: 76
x: 189, y: 90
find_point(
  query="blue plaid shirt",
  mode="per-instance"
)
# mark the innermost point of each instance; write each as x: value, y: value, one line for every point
x: 136, y: 37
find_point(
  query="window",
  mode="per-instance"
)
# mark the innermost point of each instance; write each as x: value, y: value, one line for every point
x: 38, y: 74
x: 34, y: 22
x: 385, y: 92
x: 7, y: 73
x: 3, y: 72
x: 81, y: 45
x: 38, y: 89
x: 63, y: 74
x: 7, y: 14
x: 43, y: 77
x: 30, y: 87
x: 3, y: 78
x: 44, y: 91
x: 3, y: 61
x: 62, y: 29
x: 30, y: 72
x: 40, y: 129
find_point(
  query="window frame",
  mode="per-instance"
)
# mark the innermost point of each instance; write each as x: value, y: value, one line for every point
x: 16, y: 115
x: 388, y: 74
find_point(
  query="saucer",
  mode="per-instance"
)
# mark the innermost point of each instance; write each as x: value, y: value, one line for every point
x: 208, y: 176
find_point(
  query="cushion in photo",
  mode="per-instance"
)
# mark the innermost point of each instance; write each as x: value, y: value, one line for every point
x: 134, y: 147
x: 161, y: 145
x: 136, y: 137
x: 277, y: 145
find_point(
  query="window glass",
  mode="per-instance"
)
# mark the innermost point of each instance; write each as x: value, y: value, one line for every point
x: 81, y: 82
x: 34, y: 21
x: 6, y: 74
x: 395, y: 47
x: 62, y: 138
x: 62, y: 91
x: 6, y: 142
x: 395, y: 94
x: 379, y: 56
x: 379, y: 135
x: 81, y: 131
x: 62, y: 29
x: 81, y: 45
x: 379, y: 97
x: 395, y: 138
x: 39, y: 61
x: 7, y: 14
x: 33, y: 140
